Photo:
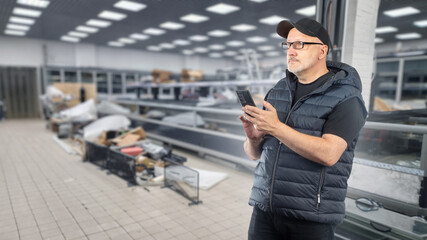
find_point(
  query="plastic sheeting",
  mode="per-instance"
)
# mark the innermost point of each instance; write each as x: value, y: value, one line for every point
x: 155, y: 114
x: 80, y: 113
x: 186, y: 118
x: 112, y: 122
x: 109, y: 107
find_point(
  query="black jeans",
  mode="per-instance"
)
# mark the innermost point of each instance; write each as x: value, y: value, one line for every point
x: 269, y: 226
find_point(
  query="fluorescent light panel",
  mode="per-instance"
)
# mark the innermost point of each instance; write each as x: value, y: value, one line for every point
x: 235, y: 43
x: 378, y: 40
x: 230, y: 53
x: 154, y: 31
x: 256, y: 39
x: 266, y: 48
x: 218, y: 33
x: 421, y: 23
x: 130, y: 6
x: 307, y: 11
x: 400, y: 12
x: 77, y: 34
x: 275, y: 35
x: 201, y: 50
x: 154, y: 48
x: 139, y: 36
x: 243, y: 27
x: 14, y: 32
x: 198, y: 38
x: 26, y: 12
x: 115, y: 44
x: 217, y: 47
x: 112, y: 15
x: 272, y: 54
x: 21, y: 20
x: 272, y: 20
x: 98, y: 23
x: 187, y: 52
x: 70, y: 39
x: 194, y: 18
x: 222, y: 8
x: 258, y: 1
x: 17, y: 27
x: 127, y: 40
x: 166, y: 45
x: 406, y: 36
x: 172, y: 25
x: 87, y: 29
x: 34, y: 3
x: 181, y: 42
x: 386, y: 29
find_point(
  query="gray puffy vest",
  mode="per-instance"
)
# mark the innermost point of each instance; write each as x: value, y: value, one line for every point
x: 286, y: 183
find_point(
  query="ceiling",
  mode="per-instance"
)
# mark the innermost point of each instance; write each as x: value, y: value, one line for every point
x: 62, y: 16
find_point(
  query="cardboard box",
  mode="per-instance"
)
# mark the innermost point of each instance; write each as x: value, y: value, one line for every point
x: 54, y: 124
x: 125, y: 139
x: 74, y: 89
x: 142, y: 160
x: 191, y: 75
x: 161, y: 76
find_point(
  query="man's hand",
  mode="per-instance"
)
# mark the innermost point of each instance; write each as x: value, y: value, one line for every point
x: 264, y: 121
x: 251, y: 132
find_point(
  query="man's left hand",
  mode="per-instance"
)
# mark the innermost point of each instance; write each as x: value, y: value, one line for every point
x: 264, y: 121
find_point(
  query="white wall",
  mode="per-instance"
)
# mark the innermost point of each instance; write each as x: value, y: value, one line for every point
x: 29, y: 52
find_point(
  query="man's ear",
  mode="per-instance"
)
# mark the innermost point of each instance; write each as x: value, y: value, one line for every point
x: 324, y: 51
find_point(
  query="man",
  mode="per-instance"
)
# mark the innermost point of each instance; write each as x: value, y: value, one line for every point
x: 305, y: 139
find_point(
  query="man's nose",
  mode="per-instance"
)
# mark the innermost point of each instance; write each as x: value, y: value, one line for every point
x: 291, y: 51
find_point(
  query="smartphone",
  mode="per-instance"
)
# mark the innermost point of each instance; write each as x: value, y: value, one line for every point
x: 245, y: 98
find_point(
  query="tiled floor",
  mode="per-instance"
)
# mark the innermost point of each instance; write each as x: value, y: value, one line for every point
x: 48, y: 194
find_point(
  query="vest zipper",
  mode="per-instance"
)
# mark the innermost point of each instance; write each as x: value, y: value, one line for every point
x: 322, y: 178
x: 280, y: 145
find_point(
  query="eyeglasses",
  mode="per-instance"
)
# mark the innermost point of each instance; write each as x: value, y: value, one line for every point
x: 297, y: 44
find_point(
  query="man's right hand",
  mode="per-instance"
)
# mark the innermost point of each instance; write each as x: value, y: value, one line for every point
x: 251, y: 132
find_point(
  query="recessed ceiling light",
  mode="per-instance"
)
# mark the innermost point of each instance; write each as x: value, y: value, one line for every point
x: 378, y: 40
x: 115, y: 44
x: 139, y: 36
x: 256, y: 39
x: 112, y: 15
x: 307, y: 11
x: 127, y: 40
x: 14, y: 32
x: 154, y: 31
x: 201, y: 50
x: 17, y: 27
x: 386, y: 29
x: 130, y: 6
x: 218, y: 33
x: 243, y: 27
x: 217, y: 47
x: 21, y: 20
x: 26, y: 12
x: 275, y: 35
x: 154, y: 48
x: 98, y: 23
x: 167, y: 45
x: 258, y: 1
x: 230, y: 53
x: 34, y: 3
x: 194, y: 18
x: 240, y: 57
x: 87, y: 29
x: 172, y: 25
x: 77, y: 34
x: 421, y: 23
x: 215, y: 55
x: 70, y: 39
x: 222, y: 8
x: 405, y: 36
x: 272, y: 20
x: 272, y: 54
x: 198, y: 38
x: 181, y: 42
x: 266, y: 48
x: 187, y: 52
x: 235, y: 43
x: 400, y: 12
